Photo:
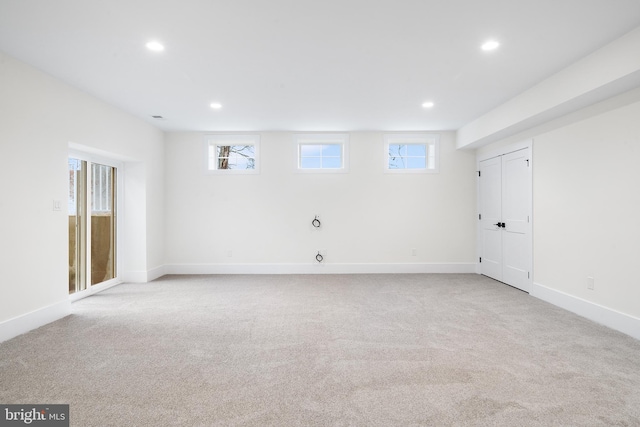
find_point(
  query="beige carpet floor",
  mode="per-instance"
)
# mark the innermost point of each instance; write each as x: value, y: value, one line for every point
x: 325, y: 350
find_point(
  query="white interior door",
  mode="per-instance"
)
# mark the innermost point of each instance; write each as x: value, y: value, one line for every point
x: 490, y: 216
x: 516, y: 235
x: 505, y: 218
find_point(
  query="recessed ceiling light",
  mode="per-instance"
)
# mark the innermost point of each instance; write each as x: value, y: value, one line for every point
x: 428, y: 104
x: 216, y: 106
x: 490, y: 45
x: 155, y: 46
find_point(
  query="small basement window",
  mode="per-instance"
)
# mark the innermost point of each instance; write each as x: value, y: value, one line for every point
x: 233, y: 153
x: 411, y: 153
x: 322, y: 152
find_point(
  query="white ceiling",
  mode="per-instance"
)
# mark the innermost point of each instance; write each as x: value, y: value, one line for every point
x: 338, y: 65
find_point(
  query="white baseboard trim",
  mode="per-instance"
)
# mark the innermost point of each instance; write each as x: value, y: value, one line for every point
x: 143, y: 276
x: 134, y: 276
x: 605, y: 316
x: 155, y: 273
x: 318, y: 268
x: 26, y: 322
x: 94, y: 289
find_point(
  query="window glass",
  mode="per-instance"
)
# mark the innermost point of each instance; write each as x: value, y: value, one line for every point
x: 416, y: 163
x: 419, y: 150
x: 236, y: 157
x: 310, y: 150
x: 411, y: 153
x: 334, y: 150
x: 233, y: 153
x: 320, y: 156
x: 321, y: 152
x: 310, y: 163
x: 331, y: 162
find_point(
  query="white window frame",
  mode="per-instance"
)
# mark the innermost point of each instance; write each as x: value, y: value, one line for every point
x: 341, y: 139
x: 234, y: 139
x: 428, y: 139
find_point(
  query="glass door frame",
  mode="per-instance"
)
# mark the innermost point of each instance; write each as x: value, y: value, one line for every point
x: 90, y: 159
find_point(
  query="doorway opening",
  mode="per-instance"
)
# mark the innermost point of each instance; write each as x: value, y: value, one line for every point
x: 92, y: 224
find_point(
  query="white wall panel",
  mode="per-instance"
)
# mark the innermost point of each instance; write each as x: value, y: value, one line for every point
x: 367, y: 216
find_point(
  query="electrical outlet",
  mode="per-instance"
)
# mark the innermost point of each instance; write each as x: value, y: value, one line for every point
x: 590, y: 283
x: 229, y: 253
x: 57, y: 205
x: 414, y: 252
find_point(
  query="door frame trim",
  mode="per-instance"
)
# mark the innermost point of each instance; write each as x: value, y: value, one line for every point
x: 501, y: 151
x: 517, y: 146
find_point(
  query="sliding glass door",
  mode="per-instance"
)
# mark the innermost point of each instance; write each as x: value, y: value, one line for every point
x: 92, y: 224
x: 77, y: 225
x: 103, y: 223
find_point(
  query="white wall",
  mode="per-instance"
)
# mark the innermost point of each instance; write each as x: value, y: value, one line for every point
x: 587, y: 210
x: 40, y: 117
x: 367, y: 216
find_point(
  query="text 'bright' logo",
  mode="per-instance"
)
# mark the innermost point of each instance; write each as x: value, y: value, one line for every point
x: 26, y: 416
x: 38, y: 415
